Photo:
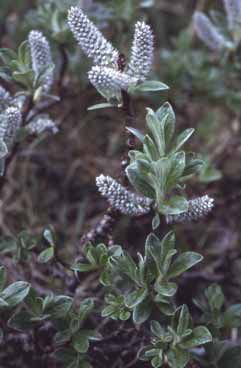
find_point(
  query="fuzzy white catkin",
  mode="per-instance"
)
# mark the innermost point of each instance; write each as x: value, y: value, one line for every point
x: 41, y: 124
x: 141, y: 52
x: 109, y: 82
x: 233, y: 11
x: 197, y: 208
x: 208, y: 33
x: 121, y: 199
x: 41, y: 57
x: 5, y: 98
x: 90, y: 39
x: 10, y: 122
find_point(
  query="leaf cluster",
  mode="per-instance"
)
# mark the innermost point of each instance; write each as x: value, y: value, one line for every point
x: 161, y: 167
x: 173, y: 343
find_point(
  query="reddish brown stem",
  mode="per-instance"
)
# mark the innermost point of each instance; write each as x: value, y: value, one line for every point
x: 63, y: 69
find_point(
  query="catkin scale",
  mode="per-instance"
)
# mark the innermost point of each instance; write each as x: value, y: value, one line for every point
x: 9, y: 124
x: 141, y: 52
x: 5, y: 98
x: 208, y: 33
x: 41, y: 57
x: 233, y: 11
x: 122, y: 199
x: 110, y: 82
x: 197, y: 208
x: 41, y: 124
x: 91, y: 40
x: 109, y: 74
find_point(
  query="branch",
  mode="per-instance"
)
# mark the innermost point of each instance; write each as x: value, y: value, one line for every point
x: 63, y: 69
x: 104, y: 226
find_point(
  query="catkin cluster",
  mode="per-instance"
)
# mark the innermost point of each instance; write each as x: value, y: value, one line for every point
x: 197, y: 208
x: 41, y: 59
x: 212, y: 35
x: 40, y: 124
x: 122, y: 199
x: 10, y: 122
x: 105, y: 75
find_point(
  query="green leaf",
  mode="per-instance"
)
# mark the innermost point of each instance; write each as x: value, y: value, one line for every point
x: 84, y: 267
x: 215, y: 297
x: 108, y: 311
x: 166, y: 308
x: 62, y: 337
x: 177, y: 166
x: 182, y: 139
x: 100, y: 106
x: 142, y: 311
x: 193, y: 166
x: 157, y: 361
x: 183, y: 320
x: 167, y: 289
x: 156, y: 221
x: 209, y: 173
x: 200, y: 336
x: 15, y: 293
x: 24, y: 78
x: 156, y: 130
x: 136, y: 133
x: 166, y: 115
x: 105, y: 278
x: 232, y: 316
x: 139, y: 180
x: 168, y: 171
x: 34, y: 302
x: 59, y: 306
x: 126, y: 265
x: 141, y: 354
x: 81, y: 340
x: 150, y: 148
x: 5, y: 75
x: 46, y: 255
x: 124, y: 315
x: 48, y: 235
x: 7, y: 55
x: 183, y: 263
x: 24, y: 54
x: 150, y: 86
x: 21, y: 321
x: 3, y: 304
x: 168, y: 250
x: 161, y: 251
x: 86, y: 306
x: 178, y: 358
x: 157, y: 329
x: 135, y: 298
x: 154, y: 248
x: 3, y: 277
x: 175, y: 206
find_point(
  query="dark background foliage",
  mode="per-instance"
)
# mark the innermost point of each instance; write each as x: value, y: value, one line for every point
x: 52, y: 180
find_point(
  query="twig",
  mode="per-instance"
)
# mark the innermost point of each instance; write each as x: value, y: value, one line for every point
x: 28, y: 106
x: 104, y: 226
x: 63, y: 68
